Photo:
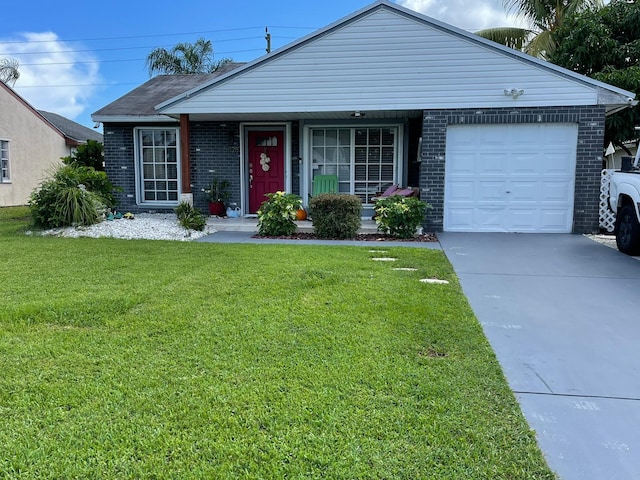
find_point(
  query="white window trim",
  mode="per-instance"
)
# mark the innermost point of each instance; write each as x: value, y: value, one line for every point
x: 2, y: 179
x: 138, y: 169
x: 307, y: 168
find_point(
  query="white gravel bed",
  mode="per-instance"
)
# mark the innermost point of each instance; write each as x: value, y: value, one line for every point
x: 144, y: 226
x: 608, y: 240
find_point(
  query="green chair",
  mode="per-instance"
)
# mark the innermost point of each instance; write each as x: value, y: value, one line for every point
x: 325, y: 184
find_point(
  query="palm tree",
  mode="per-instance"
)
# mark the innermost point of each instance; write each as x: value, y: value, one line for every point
x: 544, y: 16
x: 9, y: 71
x: 184, y: 58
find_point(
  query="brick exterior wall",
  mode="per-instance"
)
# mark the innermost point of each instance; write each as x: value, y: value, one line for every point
x: 590, y: 121
x: 215, y: 152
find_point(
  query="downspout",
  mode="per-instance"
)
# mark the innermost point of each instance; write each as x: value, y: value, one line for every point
x: 185, y: 160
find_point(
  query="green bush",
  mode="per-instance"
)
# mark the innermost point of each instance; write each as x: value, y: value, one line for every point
x: 400, y: 216
x: 189, y: 217
x: 336, y: 215
x: 277, y: 215
x: 73, y: 196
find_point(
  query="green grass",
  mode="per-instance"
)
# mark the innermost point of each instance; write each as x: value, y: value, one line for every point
x: 142, y: 359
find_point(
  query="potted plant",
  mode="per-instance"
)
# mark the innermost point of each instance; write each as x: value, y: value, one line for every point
x: 217, y: 192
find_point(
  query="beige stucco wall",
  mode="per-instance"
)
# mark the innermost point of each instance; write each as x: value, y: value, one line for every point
x: 34, y: 148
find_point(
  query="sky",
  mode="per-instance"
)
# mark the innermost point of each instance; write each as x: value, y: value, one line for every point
x: 77, y: 56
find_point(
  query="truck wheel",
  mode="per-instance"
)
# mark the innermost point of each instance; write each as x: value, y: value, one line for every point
x: 628, y: 231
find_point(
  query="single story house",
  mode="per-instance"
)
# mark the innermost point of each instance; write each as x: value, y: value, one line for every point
x: 496, y: 140
x: 31, y: 143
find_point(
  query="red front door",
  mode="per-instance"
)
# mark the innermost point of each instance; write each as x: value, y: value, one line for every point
x: 266, y: 166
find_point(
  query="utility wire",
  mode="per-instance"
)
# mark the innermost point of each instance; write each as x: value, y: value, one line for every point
x: 151, y: 36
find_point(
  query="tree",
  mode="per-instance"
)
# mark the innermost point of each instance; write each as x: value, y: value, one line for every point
x: 184, y: 58
x: 87, y: 155
x: 544, y: 16
x: 605, y: 44
x: 9, y: 71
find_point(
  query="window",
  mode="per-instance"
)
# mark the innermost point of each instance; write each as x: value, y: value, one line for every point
x: 158, y: 172
x: 364, y: 159
x: 5, y: 174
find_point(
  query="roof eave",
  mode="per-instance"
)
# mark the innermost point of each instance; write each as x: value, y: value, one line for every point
x: 133, y: 119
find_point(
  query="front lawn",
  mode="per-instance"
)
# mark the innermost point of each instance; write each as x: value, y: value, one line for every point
x: 157, y: 359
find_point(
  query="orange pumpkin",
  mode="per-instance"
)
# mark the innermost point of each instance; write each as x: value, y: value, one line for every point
x: 301, y: 214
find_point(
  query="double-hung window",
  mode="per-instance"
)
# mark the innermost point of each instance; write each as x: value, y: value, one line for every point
x: 5, y: 173
x: 365, y: 160
x: 157, y: 165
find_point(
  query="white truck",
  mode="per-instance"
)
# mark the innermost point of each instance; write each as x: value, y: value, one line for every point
x: 624, y: 201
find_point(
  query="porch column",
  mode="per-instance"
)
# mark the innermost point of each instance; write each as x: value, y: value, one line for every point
x: 185, y: 160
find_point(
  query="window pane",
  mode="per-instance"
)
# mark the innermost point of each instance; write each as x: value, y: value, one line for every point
x: 388, y: 136
x: 345, y: 137
x: 318, y: 138
x: 172, y: 171
x: 361, y: 136
x: 331, y: 137
x: 173, y: 196
x: 147, y: 137
x: 161, y: 171
x: 374, y: 136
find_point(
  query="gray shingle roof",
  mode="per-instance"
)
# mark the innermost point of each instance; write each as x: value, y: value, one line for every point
x: 142, y: 100
x: 71, y: 129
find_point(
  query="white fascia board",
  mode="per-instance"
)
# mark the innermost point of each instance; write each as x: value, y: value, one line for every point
x: 133, y: 119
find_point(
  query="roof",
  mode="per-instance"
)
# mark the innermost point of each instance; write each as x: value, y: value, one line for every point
x: 141, y: 101
x: 229, y: 92
x: 71, y: 129
x: 48, y: 118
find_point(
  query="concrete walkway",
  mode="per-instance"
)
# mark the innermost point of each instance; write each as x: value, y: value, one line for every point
x: 562, y: 313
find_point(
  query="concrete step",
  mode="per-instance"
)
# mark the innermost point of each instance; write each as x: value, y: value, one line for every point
x: 250, y: 224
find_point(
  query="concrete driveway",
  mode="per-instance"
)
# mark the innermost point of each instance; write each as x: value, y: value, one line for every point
x: 562, y: 313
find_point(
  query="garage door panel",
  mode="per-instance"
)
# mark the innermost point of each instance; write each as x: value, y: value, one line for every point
x: 517, y: 178
x: 489, y: 219
x: 461, y: 218
x: 492, y: 165
x: 555, y: 220
x: 491, y: 191
x: 524, y: 191
x: 462, y: 191
x: 523, y: 219
x: 556, y: 192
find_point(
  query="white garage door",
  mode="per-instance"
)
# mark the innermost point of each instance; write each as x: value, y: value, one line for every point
x: 510, y: 178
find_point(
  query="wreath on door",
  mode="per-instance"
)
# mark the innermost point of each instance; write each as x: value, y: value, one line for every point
x: 264, y: 162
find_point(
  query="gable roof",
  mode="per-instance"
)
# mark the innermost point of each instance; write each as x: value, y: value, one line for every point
x: 67, y: 129
x: 140, y: 102
x: 383, y: 59
x: 71, y: 129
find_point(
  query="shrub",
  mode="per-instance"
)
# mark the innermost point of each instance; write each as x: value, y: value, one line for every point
x: 277, y: 215
x: 73, y: 196
x: 189, y: 217
x: 336, y: 215
x: 400, y: 216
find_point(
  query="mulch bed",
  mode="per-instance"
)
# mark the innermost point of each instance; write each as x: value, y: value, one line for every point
x: 366, y: 237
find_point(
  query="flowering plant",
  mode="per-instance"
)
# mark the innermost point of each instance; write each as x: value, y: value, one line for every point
x: 277, y: 215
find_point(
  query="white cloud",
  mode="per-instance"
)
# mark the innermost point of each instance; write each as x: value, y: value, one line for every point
x: 465, y: 14
x: 50, y: 73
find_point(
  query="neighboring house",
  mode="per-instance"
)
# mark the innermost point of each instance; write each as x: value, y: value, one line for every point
x: 496, y: 140
x: 31, y: 144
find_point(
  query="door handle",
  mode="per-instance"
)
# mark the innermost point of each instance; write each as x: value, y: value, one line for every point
x: 250, y: 181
